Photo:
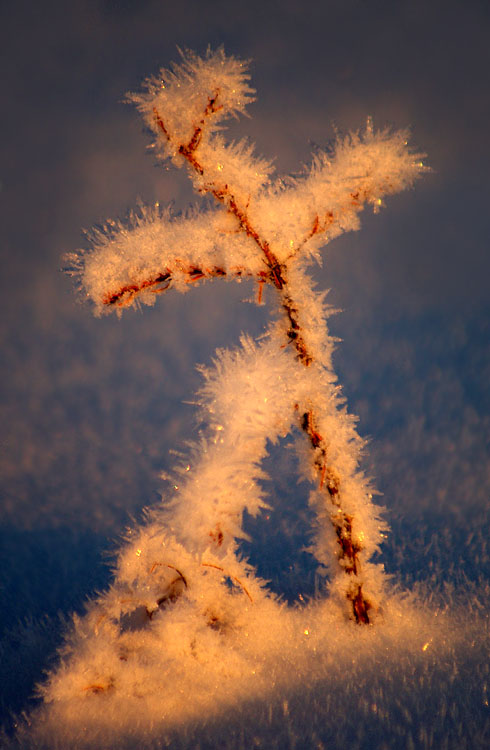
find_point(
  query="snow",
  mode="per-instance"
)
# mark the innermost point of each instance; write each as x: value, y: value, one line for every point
x: 277, y: 677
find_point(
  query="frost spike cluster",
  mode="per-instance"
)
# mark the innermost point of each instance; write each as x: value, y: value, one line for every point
x: 268, y: 229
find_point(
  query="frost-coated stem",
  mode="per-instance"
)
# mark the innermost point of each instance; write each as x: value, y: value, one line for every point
x: 329, y: 480
x: 266, y: 230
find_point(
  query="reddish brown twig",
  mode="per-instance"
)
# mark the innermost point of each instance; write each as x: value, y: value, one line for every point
x: 276, y: 275
x: 218, y: 567
x: 350, y: 548
x: 162, y: 281
x: 168, y: 565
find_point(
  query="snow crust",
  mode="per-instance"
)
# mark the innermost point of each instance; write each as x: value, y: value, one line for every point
x: 280, y: 677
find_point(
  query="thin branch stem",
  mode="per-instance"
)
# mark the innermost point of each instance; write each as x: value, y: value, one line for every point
x: 329, y: 481
x: 162, y: 281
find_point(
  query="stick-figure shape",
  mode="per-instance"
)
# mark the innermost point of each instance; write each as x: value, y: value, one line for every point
x: 266, y: 229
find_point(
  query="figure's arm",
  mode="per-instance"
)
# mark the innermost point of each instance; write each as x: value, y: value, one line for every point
x: 185, y: 107
x: 361, y: 169
x: 154, y: 251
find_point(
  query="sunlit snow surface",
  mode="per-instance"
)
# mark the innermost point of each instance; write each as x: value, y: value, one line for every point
x: 294, y: 678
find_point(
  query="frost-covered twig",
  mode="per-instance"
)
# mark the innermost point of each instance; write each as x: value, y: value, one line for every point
x: 265, y: 229
x: 170, y: 581
x: 182, y: 595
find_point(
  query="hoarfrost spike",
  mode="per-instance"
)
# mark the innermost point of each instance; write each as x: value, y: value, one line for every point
x: 181, y: 591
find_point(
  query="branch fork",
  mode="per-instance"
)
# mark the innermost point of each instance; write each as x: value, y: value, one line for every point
x: 266, y: 220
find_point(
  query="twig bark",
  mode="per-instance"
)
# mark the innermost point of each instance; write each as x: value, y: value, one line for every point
x: 276, y: 276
